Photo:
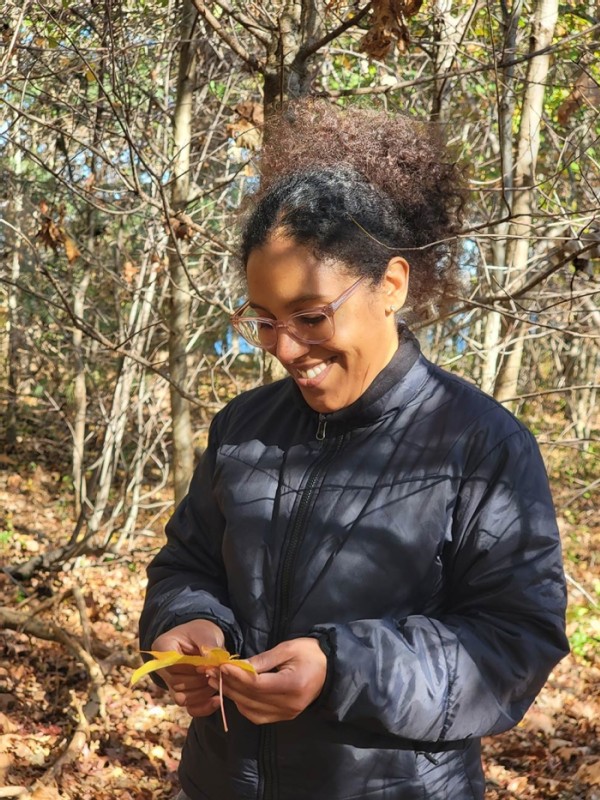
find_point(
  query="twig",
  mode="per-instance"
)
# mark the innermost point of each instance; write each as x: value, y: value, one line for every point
x: 581, y: 492
x: 95, y: 704
x: 252, y: 62
x: 559, y: 390
x: 86, y: 628
x: 580, y: 589
x: 73, y: 749
x: 251, y: 25
x: 312, y: 47
x: 481, y: 68
x: 16, y: 582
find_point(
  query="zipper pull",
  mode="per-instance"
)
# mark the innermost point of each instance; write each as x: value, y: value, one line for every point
x: 321, y: 428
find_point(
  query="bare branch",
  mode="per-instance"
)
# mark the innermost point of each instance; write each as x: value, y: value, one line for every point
x: 250, y: 24
x: 312, y: 47
x: 226, y: 37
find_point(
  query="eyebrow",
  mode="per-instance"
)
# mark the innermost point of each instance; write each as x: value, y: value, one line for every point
x: 305, y: 298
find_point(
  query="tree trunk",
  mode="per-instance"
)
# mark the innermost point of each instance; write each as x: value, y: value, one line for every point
x: 15, y: 210
x: 506, y: 111
x: 179, y: 310
x: 79, y: 397
x: 546, y: 14
x: 448, y: 32
x: 118, y: 416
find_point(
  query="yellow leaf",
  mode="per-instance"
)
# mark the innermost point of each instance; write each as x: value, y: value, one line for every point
x: 212, y: 657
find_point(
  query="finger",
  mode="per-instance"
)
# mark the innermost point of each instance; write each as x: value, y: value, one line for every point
x: 194, y: 697
x: 185, y: 681
x: 182, y: 669
x: 234, y: 677
x: 204, y: 711
x: 270, y: 660
x: 263, y: 685
x: 188, y: 685
x: 202, y: 708
x: 281, y: 703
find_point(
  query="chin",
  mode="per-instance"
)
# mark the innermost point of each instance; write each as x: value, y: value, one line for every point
x: 322, y: 405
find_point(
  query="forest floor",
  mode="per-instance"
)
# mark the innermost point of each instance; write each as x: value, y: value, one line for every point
x: 54, y: 746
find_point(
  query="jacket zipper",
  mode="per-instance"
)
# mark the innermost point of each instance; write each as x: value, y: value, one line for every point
x: 267, y: 759
x: 321, y: 428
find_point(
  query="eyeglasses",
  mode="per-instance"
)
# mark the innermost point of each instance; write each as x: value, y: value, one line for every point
x: 312, y: 326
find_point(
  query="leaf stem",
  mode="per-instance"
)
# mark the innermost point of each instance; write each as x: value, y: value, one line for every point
x: 221, y: 700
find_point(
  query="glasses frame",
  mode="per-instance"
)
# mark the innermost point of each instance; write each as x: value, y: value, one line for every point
x: 328, y: 310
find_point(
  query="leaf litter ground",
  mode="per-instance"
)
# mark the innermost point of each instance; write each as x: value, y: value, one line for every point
x: 133, y: 752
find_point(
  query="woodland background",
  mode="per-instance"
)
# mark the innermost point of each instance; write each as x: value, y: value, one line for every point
x: 130, y: 131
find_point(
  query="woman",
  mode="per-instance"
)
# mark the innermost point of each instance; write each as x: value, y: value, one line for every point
x: 373, y: 533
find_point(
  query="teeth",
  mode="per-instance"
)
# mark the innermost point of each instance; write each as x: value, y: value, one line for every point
x: 313, y: 371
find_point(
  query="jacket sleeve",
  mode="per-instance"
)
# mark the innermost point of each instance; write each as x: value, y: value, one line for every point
x: 474, y: 669
x: 186, y: 579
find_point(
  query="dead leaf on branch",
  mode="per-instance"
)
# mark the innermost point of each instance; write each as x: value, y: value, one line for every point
x: 53, y: 235
x: 252, y: 112
x: 71, y: 249
x: 389, y: 24
x: 129, y: 272
x: 248, y: 130
x: 180, y: 226
x: 585, y: 92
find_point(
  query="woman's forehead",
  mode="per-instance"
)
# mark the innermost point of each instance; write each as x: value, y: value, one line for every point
x: 285, y: 272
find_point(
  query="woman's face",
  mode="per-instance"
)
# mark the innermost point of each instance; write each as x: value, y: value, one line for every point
x: 284, y: 277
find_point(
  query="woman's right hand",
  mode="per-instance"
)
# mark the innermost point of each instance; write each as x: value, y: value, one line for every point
x: 187, y: 685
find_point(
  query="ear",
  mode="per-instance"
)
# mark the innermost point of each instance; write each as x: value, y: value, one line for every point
x: 395, y: 283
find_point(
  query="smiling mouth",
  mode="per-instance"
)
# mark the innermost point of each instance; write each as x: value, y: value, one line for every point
x: 313, y: 371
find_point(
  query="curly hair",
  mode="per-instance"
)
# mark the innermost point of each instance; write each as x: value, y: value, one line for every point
x: 362, y: 186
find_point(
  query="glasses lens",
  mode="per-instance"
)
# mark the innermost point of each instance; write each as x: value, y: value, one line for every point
x: 258, y: 332
x: 311, y: 327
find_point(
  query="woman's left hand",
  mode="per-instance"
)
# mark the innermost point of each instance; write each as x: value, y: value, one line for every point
x: 290, y: 677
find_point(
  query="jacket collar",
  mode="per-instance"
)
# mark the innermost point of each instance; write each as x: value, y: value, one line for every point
x: 376, y: 400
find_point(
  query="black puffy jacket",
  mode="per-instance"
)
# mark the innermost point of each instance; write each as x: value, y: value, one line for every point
x: 414, y: 533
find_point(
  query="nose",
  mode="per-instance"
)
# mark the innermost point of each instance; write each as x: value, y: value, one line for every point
x: 288, y: 349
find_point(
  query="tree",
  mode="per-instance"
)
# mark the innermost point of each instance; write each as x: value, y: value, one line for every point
x: 130, y: 137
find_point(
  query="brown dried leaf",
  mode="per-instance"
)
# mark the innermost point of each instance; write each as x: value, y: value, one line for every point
x: 389, y: 23
x: 539, y: 722
x: 586, y: 91
x: 129, y: 272
x: 518, y: 785
x: 246, y: 134
x: 180, y: 228
x: 589, y: 773
x: 251, y: 112
x: 71, y: 249
x: 50, y: 234
x: 6, y: 724
x: 46, y: 793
